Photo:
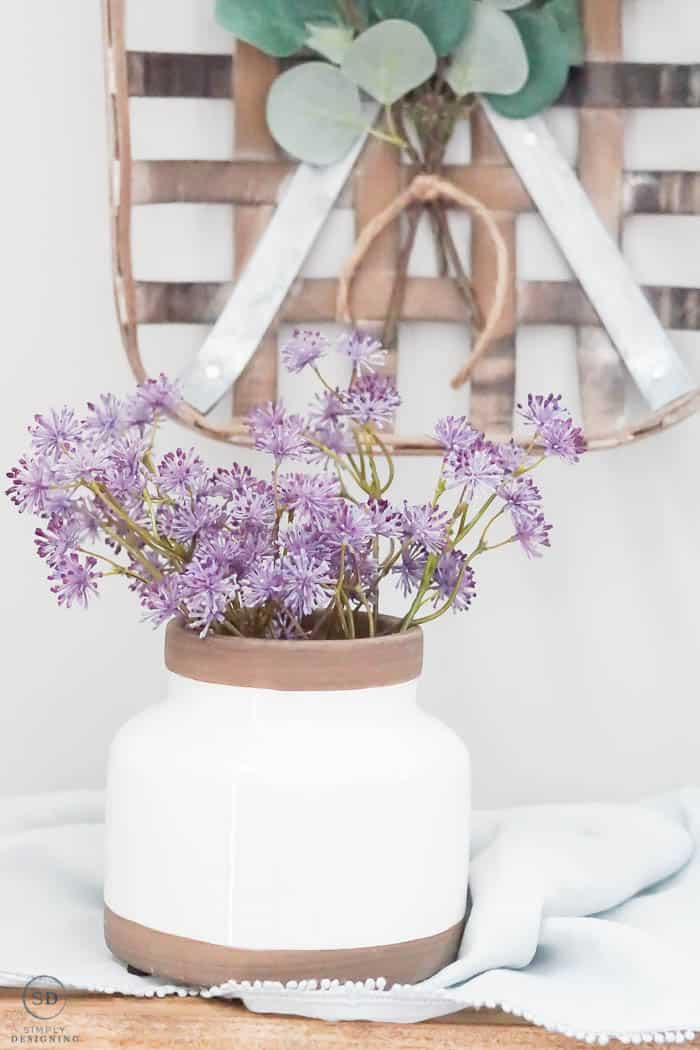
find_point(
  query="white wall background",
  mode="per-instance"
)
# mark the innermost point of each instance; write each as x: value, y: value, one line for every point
x: 574, y: 677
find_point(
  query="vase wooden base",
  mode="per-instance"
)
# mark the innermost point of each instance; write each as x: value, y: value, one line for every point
x: 197, y: 963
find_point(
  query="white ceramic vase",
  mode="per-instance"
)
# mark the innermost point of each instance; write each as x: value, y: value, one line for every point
x: 287, y: 812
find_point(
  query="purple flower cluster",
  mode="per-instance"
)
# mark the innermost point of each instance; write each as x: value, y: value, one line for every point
x: 299, y: 555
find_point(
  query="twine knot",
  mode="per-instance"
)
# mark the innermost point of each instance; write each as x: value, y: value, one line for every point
x: 427, y: 189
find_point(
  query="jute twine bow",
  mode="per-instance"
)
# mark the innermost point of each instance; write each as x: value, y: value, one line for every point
x: 424, y: 190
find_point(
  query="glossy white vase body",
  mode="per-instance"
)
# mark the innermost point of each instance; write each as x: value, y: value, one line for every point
x: 304, y: 821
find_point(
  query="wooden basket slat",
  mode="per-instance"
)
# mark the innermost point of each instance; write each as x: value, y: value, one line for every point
x: 427, y: 299
x: 662, y: 193
x: 633, y: 85
x: 602, y: 374
x: 603, y: 84
x: 564, y: 302
x: 499, y: 189
x: 253, y: 73
x: 157, y: 74
x: 253, y: 182
x: 209, y: 181
x: 493, y: 380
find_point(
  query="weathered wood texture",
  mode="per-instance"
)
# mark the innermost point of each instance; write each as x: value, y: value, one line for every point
x: 254, y: 180
x: 102, y: 1022
x: 614, y: 84
x: 602, y: 374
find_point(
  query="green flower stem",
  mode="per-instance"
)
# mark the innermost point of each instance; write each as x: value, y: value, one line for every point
x: 471, y: 524
x: 133, y: 551
x: 482, y: 539
x: 503, y: 543
x: 359, y: 590
x: 391, y: 561
x: 449, y: 601
x: 336, y: 459
x: 386, y: 452
x: 430, y: 566
x: 439, y: 490
x: 533, y: 466
x: 143, y: 534
x: 231, y: 628
x: 118, y: 570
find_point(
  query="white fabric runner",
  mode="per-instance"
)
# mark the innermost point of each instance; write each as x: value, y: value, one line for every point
x: 585, y: 919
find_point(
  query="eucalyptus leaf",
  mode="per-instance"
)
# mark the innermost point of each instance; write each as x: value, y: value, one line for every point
x: 277, y: 27
x: 568, y: 17
x: 390, y: 59
x: 491, y: 57
x: 444, y: 24
x: 267, y: 24
x: 507, y: 5
x: 548, y: 56
x: 314, y: 112
x: 330, y: 41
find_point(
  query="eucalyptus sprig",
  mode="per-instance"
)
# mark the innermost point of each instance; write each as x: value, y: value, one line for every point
x: 517, y: 53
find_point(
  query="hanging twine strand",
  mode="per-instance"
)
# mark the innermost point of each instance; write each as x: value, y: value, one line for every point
x: 426, y: 190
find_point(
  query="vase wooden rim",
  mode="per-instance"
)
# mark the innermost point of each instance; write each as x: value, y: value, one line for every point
x: 287, y: 666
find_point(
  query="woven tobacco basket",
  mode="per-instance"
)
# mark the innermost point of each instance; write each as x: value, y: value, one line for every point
x: 601, y: 90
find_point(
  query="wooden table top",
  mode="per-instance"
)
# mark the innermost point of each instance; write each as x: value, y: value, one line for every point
x: 104, y: 1022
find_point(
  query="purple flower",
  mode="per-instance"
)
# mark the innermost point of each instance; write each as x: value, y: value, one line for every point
x: 254, y: 509
x: 561, y: 438
x: 350, y: 527
x: 532, y: 533
x: 220, y: 547
x: 305, y: 583
x: 453, y: 572
x: 229, y: 482
x: 297, y: 539
x: 512, y: 457
x: 313, y: 496
x: 163, y: 601
x: 59, y: 539
x: 207, y: 594
x: 30, y: 485
x: 522, y: 497
x: 455, y: 432
x: 153, y: 398
x: 335, y: 439
x: 278, y: 434
x: 472, y: 467
x: 409, y: 571
x: 425, y: 525
x: 304, y: 348
x: 327, y: 408
x: 84, y: 463
x: 182, y: 474
x: 125, y: 474
x: 541, y: 409
x: 365, y: 353
x: 386, y: 520
x: 106, y: 418
x: 263, y: 583
x: 184, y: 523
x: 75, y: 580
x: 55, y: 433
x: 373, y: 399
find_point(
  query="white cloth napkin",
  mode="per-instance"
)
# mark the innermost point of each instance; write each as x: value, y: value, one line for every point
x: 584, y: 919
